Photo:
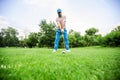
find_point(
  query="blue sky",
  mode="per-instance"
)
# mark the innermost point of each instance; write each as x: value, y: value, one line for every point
x: 25, y: 15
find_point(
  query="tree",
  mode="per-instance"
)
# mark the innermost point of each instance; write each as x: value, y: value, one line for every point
x: 71, y: 31
x: 47, y: 31
x: 1, y: 39
x: 88, y: 40
x: 10, y: 37
x: 90, y: 36
x: 98, y: 39
x: 116, y: 29
x: 75, y: 39
x: 91, y: 31
x: 78, y: 39
x: 112, y: 39
x: 32, y: 40
x: 72, y: 40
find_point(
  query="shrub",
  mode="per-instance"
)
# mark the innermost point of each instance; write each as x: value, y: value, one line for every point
x: 112, y: 39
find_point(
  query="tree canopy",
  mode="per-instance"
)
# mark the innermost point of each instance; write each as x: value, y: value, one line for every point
x: 46, y: 36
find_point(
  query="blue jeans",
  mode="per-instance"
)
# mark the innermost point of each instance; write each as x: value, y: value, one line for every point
x: 58, y: 34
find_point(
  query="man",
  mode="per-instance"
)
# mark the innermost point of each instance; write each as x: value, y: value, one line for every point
x: 61, y: 29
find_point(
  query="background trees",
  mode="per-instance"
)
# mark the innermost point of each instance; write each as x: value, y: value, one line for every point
x: 46, y: 36
x: 91, y: 37
x: 8, y: 37
x: 32, y: 40
x: 112, y: 38
x: 76, y: 39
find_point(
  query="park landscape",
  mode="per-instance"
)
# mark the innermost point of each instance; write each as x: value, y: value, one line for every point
x: 92, y: 56
x: 28, y: 30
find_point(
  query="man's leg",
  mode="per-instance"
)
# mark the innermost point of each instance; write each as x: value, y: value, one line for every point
x: 66, y: 39
x: 58, y: 33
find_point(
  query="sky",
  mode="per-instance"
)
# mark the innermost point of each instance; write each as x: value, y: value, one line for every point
x: 25, y: 15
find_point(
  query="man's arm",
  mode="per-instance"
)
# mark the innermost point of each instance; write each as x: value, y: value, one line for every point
x: 63, y: 24
x: 59, y: 26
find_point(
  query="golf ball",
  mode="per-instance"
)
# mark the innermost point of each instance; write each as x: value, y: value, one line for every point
x: 63, y: 52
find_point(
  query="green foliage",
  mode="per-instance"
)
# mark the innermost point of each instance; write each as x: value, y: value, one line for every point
x: 32, y: 40
x: 98, y: 39
x: 8, y: 37
x: 78, y: 39
x: 116, y: 29
x: 75, y: 39
x: 89, y: 39
x: 112, y: 39
x: 71, y: 31
x: 88, y: 63
x: 23, y: 43
x: 47, y: 34
x: 93, y: 40
x: 1, y: 39
x: 91, y: 31
x: 72, y: 40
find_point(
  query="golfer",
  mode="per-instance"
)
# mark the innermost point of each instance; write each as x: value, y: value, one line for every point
x: 61, y: 29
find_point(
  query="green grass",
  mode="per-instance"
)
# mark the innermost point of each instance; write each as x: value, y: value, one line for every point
x: 88, y: 63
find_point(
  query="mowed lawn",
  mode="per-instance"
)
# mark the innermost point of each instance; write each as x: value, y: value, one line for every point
x: 87, y: 63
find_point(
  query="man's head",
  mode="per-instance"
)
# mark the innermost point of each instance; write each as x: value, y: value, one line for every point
x: 59, y: 11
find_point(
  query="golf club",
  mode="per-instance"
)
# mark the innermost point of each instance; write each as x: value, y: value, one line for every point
x: 63, y: 42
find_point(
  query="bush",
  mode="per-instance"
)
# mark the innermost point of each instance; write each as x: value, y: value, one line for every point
x: 112, y: 39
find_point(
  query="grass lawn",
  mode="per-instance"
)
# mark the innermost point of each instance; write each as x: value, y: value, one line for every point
x: 87, y: 63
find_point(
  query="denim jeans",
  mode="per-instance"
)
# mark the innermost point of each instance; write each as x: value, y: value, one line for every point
x: 58, y: 34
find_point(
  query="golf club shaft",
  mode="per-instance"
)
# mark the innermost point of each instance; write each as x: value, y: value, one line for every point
x: 63, y: 39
